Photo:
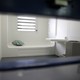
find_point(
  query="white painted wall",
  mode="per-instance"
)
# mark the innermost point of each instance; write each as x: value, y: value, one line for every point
x: 0, y: 36
x: 69, y: 29
x: 61, y: 28
x: 10, y: 33
x: 73, y: 30
x: 29, y: 38
x: 52, y: 28
x: 65, y: 28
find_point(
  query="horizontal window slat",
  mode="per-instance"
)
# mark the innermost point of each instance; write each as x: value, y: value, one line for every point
x: 22, y: 17
x: 28, y: 21
x: 26, y: 30
x: 26, y: 27
x: 25, y: 24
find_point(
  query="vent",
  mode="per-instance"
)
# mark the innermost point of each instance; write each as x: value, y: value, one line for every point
x: 25, y: 23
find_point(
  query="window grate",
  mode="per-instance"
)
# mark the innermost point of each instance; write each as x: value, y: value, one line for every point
x: 25, y: 23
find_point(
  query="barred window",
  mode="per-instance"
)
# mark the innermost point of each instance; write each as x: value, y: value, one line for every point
x: 25, y: 23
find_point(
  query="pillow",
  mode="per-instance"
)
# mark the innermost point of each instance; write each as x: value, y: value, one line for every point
x: 18, y: 43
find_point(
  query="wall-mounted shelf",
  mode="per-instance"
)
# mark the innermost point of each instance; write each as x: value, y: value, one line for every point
x: 56, y: 39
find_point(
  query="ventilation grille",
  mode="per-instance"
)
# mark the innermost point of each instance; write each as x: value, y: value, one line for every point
x: 25, y: 23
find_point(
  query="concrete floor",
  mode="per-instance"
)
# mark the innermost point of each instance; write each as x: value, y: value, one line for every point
x: 68, y: 72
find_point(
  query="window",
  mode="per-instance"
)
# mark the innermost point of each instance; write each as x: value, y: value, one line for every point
x: 25, y: 23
